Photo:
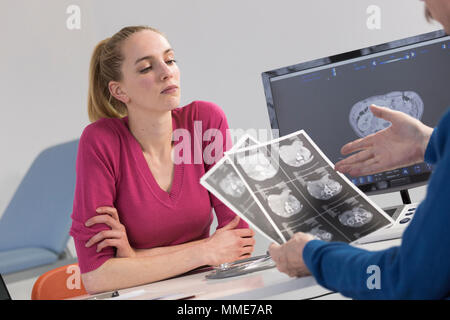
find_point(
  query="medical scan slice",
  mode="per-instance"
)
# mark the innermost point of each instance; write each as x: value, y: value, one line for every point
x: 357, y: 217
x: 232, y: 185
x: 257, y: 166
x: 296, y: 154
x: 364, y: 123
x: 324, y: 188
x: 284, y: 205
x: 321, y: 234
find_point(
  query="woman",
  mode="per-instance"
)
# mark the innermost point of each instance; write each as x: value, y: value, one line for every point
x: 140, y: 215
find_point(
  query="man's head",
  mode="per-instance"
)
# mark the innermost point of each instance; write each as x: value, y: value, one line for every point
x: 438, y: 10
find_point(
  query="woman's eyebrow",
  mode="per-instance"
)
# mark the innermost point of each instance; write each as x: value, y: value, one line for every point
x: 151, y: 57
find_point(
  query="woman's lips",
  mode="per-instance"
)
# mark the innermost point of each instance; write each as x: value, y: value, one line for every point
x: 170, y: 89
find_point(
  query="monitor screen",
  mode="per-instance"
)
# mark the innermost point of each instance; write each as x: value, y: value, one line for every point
x: 329, y: 98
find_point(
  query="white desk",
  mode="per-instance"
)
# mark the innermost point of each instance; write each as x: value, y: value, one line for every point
x: 268, y: 284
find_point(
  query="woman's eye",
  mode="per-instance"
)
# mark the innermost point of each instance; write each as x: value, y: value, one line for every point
x: 146, y: 69
x: 172, y: 61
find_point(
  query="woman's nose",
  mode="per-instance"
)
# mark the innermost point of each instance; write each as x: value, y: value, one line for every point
x: 166, y: 72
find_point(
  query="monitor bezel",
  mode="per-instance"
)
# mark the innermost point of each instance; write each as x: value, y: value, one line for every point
x: 304, y: 66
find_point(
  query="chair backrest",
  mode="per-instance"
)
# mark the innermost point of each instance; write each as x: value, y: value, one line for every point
x: 38, y: 214
x: 58, y: 284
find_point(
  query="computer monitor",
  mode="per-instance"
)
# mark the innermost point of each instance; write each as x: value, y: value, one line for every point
x: 329, y: 98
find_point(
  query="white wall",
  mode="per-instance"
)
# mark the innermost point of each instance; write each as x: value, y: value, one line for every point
x: 221, y: 46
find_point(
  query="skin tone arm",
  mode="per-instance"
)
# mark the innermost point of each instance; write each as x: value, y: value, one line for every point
x: 133, y: 267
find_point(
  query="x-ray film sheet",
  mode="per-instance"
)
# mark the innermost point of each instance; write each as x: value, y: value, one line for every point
x: 224, y: 182
x: 296, y: 187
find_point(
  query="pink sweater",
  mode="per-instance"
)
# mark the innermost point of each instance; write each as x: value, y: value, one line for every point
x: 112, y: 171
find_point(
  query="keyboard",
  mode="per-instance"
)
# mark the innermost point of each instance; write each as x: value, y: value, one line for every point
x: 402, y: 216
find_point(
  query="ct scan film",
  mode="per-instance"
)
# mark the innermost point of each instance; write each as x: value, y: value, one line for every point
x: 288, y: 185
x: 225, y: 183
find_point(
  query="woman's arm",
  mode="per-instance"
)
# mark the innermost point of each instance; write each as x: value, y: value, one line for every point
x: 119, y: 273
x: 131, y: 268
x: 166, y: 250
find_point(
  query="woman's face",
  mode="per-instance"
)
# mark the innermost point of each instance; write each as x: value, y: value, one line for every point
x: 150, y: 75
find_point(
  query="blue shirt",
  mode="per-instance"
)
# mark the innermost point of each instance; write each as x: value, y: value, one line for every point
x: 420, y: 267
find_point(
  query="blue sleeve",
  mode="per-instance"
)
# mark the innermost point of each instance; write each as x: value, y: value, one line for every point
x: 420, y: 267
x: 438, y: 140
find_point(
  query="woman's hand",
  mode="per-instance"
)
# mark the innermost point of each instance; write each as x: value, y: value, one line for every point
x: 400, y: 145
x: 116, y: 237
x: 228, y: 244
x: 289, y: 256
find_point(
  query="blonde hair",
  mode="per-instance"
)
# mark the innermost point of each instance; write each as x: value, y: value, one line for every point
x: 106, y: 61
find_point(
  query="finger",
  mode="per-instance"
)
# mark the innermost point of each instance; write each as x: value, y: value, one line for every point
x: 232, y: 224
x: 247, y: 242
x: 274, y: 250
x: 282, y: 262
x: 109, y: 210
x: 356, y: 145
x: 358, y: 157
x: 244, y: 232
x: 109, y: 243
x: 106, y: 219
x: 252, y: 232
x: 384, y: 113
x: 246, y: 250
x: 370, y: 166
x: 107, y: 234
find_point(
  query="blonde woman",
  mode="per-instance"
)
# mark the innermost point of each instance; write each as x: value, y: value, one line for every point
x: 138, y: 215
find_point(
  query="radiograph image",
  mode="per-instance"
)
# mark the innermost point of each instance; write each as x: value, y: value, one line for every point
x: 295, y: 154
x: 324, y: 188
x: 284, y: 205
x: 232, y: 185
x: 364, y: 123
x: 321, y: 234
x: 257, y: 166
x: 357, y: 217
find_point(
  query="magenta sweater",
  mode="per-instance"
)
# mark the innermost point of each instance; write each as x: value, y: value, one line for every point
x: 111, y: 171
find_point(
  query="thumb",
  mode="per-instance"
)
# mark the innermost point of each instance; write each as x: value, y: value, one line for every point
x: 232, y: 224
x: 384, y: 113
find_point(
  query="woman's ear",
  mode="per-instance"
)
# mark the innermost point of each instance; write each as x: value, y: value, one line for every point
x: 117, y: 92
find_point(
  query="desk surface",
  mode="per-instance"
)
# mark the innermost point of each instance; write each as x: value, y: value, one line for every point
x: 267, y: 284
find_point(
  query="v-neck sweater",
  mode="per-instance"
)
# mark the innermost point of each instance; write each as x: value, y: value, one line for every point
x: 111, y: 170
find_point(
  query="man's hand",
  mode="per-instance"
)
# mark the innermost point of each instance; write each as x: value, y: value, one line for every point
x: 289, y: 256
x: 400, y: 145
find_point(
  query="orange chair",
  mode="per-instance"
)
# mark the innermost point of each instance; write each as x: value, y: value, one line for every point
x: 58, y: 284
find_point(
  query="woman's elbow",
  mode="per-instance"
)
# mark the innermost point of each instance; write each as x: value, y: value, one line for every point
x: 95, y: 281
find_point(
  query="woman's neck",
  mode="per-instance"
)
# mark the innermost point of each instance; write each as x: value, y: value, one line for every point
x: 153, y: 131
